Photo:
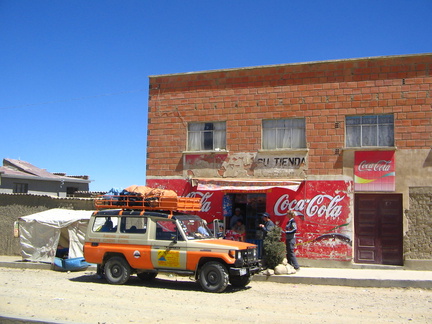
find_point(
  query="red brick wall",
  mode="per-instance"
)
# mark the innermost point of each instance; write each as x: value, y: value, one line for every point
x: 322, y: 92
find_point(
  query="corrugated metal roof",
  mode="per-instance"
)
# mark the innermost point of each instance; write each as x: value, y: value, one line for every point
x: 22, y: 169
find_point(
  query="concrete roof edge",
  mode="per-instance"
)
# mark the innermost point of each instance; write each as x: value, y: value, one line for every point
x: 288, y: 64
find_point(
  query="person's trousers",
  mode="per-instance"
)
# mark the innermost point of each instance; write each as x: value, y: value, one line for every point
x: 290, y: 247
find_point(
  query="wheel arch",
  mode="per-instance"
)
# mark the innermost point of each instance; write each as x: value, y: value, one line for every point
x: 205, y: 260
x: 109, y: 255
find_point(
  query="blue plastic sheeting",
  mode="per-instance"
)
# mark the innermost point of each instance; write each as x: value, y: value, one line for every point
x: 73, y: 264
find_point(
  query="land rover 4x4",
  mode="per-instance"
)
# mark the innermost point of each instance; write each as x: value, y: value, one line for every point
x: 153, y: 236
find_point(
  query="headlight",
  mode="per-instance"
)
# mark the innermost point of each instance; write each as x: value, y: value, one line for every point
x: 239, y: 263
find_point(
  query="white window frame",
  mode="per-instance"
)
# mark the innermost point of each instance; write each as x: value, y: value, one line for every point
x: 369, y: 131
x: 206, y: 136
x: 284, y: 134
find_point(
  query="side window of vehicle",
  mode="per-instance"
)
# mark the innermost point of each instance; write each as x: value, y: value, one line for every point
x: 105, y: 224
x: 167, y: 230
x: 133, y: 225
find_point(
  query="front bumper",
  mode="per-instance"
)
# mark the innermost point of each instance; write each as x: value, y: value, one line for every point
x: 247, y: 270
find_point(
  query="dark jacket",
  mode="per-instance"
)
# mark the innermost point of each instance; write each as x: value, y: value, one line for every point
x: 268, y: 226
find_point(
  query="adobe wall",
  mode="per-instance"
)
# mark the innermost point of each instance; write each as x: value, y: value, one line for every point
x: 417, y: 243
x: 13, y: 206
x: 46, y: 201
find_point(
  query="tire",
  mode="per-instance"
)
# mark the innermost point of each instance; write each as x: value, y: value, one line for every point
x: 240, y: 281
x: 117, y: 270
x: 147, y: 276
x: 100, y: 271
x: 213, y: 277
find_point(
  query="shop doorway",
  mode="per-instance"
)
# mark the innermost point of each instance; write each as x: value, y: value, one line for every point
x: 378, y: 229
x: 251, y: 205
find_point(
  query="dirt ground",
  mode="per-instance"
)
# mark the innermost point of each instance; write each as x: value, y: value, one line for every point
x: 82, y: 297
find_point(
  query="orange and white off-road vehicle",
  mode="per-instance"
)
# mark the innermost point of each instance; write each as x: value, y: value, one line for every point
x: 146, y: 236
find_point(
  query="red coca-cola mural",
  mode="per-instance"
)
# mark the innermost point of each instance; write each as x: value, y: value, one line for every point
x: 322, y: 213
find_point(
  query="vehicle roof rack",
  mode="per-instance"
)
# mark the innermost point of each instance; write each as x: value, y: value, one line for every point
x: 137, y: 202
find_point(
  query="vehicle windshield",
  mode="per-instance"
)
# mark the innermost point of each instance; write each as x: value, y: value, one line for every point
x: 195, y: 228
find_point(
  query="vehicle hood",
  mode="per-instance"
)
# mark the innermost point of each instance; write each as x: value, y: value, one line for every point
x: 229, y: 244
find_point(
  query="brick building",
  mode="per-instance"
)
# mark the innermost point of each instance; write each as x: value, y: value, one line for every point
x: 346, y: 144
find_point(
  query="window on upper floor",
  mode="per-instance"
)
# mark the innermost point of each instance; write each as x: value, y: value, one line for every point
x: 207, y: 136
x: 20, y: 188
x: 284, y: 134
x: 369, y: 131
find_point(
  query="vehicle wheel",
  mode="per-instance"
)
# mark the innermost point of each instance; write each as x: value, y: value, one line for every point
x: 147, y: 276
x: 240, y: 281
x: 117, y: 270
x: 100, y: 271
x: 213, y: 277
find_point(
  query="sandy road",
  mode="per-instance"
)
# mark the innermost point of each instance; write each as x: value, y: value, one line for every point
x: 81, y: 297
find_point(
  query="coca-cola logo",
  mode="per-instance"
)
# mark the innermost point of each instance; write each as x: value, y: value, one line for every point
x: 382, y: 166
x: 319, y: 206
x: 205, y: 203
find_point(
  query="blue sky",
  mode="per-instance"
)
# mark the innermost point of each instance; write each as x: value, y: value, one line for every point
x: 74, y: 74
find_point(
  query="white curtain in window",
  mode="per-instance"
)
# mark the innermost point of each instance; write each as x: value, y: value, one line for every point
x: 269, y: 134
x: 363, y: 131
x: 353, y: 136
x: 194, y: 136
x: 219, y: 135
x: 386, y: 135
x: 215, y: 136
x: 284, y: 133
x: 298, y: 139
x: 369, y: 135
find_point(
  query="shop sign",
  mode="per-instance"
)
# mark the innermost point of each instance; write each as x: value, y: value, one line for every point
x: 374, y: 171
x: 279, y: 162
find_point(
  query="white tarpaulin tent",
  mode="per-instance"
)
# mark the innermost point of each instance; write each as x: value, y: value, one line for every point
x: 41, y: 233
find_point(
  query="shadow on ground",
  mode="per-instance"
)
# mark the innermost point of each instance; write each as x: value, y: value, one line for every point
x: 162, y: 282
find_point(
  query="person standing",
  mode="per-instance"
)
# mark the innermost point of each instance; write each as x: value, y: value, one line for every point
x: 268, y: 224
x: 290, y: 231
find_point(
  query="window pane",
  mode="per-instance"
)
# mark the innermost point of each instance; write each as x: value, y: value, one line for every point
x: 269, y: 139
x: 20, y: 188
x: 386, y: 135
x: 284, y: 133
x: 219, y: 135
x: 206, y: 136
x: 353, y: 136
x: 369, y: 136
x: 356, y: 120
x: 208, y: 140
x: 208, y: 126
x: 370, y: 131
x: 298, y: 140
x: 385, y: 119
x: 369, y: 120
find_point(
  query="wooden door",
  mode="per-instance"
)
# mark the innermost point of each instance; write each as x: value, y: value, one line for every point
x: 378, y: 229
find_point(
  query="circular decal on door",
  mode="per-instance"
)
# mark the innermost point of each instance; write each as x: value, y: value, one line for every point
x: 137, y: 254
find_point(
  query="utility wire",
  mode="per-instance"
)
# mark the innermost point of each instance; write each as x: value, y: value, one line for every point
x: 71, y: 99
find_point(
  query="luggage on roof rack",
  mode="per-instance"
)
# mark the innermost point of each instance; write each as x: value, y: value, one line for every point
x: 138, y: 202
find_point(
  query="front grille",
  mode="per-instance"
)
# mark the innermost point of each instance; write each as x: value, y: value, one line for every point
x: 249, y: 255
